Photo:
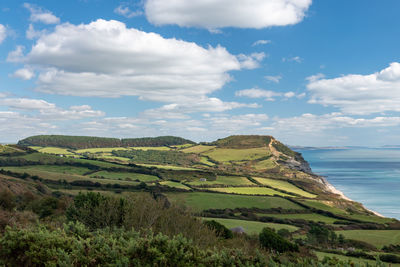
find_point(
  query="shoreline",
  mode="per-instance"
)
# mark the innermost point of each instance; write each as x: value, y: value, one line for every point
x: 336, y: 191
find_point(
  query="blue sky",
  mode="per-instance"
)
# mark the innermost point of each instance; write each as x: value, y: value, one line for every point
x: 307, y: 72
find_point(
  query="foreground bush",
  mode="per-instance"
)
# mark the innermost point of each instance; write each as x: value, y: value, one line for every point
x: 76, y: 246
x: 274, y: 242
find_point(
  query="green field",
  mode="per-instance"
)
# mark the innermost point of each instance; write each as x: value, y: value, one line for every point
x: 378, y: 238
x: 145, y: 148
x: 205, y: 160
x: 168, y: 167
x: 228, y: 154
x: 53, y: 150
x: 366, y: 218
x: 284, y: 185
x: 203, y: 201
x: 56, y: 176
x: 224, y: 180
x: 264, y: 164
x: 249, y: 191
x: 197, y: 149
x: 309, y: 217
x: 50, y: 168
x: 175, y: 184
x: 251, y: 227
x: 125, y: 175
x: 100, y: 150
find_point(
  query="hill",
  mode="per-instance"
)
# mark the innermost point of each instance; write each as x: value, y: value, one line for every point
x: 245, y: 183
x: 82, y: 142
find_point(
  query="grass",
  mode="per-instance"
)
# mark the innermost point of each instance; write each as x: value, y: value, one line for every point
x: 365, y: 218
x: 308, y: 216
x: 168, y: 167
x: 228, y: 154
x: 145, y: 148
x: 124, y: 175
x: 224, y: 180
x: 100, y: 150
x: 249, y: 191
x: 205, y: 160
x: 56, y: 176
x: 203, y: 201
x: 378, y: 238
x: 50, y: 168
x: 264, y: 164
x: 175, y: 184
x: 251, y: 227
x: 284, y: 185
x: 53, y: 150
x: 197, y: 149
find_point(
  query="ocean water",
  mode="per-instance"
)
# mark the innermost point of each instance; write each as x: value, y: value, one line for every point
x: 369, y: 176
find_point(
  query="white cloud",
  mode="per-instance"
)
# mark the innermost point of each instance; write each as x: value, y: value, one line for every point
x: 258, y: 93
x: 27, y: 104
x: 3, y: 33
x: 40, y: 15
x: 310, y: 123
x: 214, y: 14
x: 292, y: 59
x: 24, y: 74
x: 359, y: 94
x: 106, y: 59
x: 275, y: 79
x: 251, y: 61
x: 49, y: 110
x: 125, y: 11
x: 261, y: 42
x: 31, y: 33
x: 17, y: 55
x: 267, y: 94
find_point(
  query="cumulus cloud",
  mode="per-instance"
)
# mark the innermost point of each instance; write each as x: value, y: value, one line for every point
x: 267, y: 94
x: 292, y: 59
x: 275, y: 79
x: 38, y: 14
x: 359, y: 94
x: 317, y: 123
x: 214, y: 14
x: 261, y: 42
x: 107, y: 59
x: 31, y: 33
x: 24, y: 74
x: 48, y: 110
x: 16, y: 55
x: 251, y: 61
x: 3, y: 33
x: 125, y: 11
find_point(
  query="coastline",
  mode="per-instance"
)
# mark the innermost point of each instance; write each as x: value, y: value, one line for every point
x: 336, y: 191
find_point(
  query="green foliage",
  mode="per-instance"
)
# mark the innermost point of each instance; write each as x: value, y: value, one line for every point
x: 157, y: 156
x: 270, y: 240
x: 243, y: 141
x: 76, y: 246
x: 283, y: 149
x: 7, y: 200
x: 320, y: 234
x: 219, y: 229
x: 81, y: 142
x: 45, y: 207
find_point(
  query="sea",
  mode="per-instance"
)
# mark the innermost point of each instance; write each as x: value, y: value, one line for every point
x: 367, y: 175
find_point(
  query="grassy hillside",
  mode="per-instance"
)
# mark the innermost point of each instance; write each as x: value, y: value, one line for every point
x: 239, y: 181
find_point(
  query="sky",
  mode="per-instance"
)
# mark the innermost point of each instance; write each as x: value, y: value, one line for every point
x: 311, y: 73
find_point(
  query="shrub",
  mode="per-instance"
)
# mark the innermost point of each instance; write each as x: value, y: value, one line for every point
x: 7, y: 200
x: 219, y: 229
x: 272, y: 241
x: 76, y: 246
